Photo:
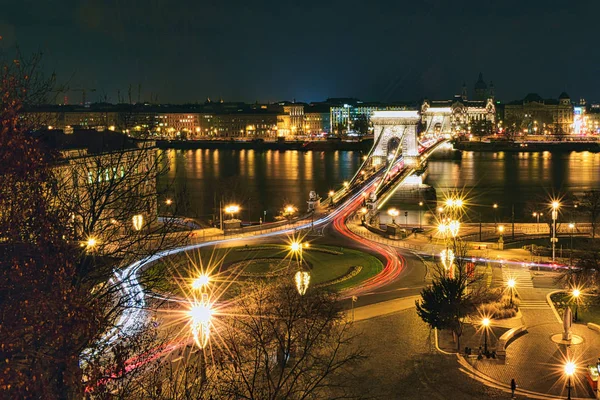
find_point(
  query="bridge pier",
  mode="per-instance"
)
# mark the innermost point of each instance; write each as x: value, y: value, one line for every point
x: 396, y: 128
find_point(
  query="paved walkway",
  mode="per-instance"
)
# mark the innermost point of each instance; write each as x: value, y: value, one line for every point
x: 534, y: 360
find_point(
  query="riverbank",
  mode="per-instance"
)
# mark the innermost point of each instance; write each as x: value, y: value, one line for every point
x: 324, y: 145
x: 556, y: 147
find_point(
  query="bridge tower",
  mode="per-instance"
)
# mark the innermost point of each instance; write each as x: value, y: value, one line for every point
x: 393, y: 129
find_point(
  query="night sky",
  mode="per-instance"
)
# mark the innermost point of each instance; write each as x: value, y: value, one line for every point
x: 187, y: 50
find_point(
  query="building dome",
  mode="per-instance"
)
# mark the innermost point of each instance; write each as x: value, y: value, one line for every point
x: 564, y: 96
x: 533, y: 97
x: 480, y: 84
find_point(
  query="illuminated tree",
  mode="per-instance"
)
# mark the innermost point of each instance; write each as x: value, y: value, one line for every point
x: 446, y: 302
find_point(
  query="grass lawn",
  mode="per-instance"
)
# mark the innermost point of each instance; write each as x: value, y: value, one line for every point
x: 325, y: 265
x: 587, y: 310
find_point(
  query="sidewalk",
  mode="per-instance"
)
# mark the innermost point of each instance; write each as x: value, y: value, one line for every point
x: 382, y: 308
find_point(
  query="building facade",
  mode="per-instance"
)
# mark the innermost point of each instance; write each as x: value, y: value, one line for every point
x: 537, y: 116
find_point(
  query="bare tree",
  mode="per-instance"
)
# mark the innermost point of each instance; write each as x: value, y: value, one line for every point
x: 57, y: 299
x: 281, y: 345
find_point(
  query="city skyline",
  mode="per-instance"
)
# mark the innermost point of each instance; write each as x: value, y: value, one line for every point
x: 273, y: 51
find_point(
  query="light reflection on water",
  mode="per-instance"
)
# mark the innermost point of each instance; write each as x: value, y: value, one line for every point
x: 265, y: 180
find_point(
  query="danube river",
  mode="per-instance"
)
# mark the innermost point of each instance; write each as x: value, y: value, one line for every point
x: 267, y: 180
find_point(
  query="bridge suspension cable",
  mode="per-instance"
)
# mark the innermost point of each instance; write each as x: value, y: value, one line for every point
x: 393, y: 161
x: 366, y: 160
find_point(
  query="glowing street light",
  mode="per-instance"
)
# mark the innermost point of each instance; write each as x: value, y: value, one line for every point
x: 555, y: 207
x: 346, y: 184
x: 393, y: 213
x: 302, y: 279
x: 201, y: 282
x: 91, y: 243
x: 138, y: 222
x: 570, y: 368
x: 232, y: 209
x: 575, y: 293
x: 200, y: 314
x: 447, y: 258
x: 331, y: 193
x: 453, y: 227
x: 168, y: 202
x: 486, y: 324
x: 511, y: 286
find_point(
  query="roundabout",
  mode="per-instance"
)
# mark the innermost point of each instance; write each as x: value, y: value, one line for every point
x: 334, y: 268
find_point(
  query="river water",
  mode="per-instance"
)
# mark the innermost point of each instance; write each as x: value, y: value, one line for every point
x: 267, y: 180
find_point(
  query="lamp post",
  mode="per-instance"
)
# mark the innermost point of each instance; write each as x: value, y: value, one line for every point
x: 571, y: 228
x: 200, y: 314
x: 555, y: 206
x: 575, y: 294
x: 486, y: 324
x: 569, y: 372
x: 495, y: 207
x: 537, y: 215
x: 232, y: 209
x: 302, y: 278
x: 511, y: 286
x: 420, y: 214
x: 393, y: 213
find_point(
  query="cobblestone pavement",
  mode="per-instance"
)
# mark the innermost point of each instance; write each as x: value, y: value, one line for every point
x: 402, y: 363
x: 534, y: 360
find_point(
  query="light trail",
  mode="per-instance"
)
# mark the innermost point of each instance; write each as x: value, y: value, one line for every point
x: 133, y: 316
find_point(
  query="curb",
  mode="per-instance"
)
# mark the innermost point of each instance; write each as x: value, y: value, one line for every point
x: 551, y: 303
x: 437, y: 346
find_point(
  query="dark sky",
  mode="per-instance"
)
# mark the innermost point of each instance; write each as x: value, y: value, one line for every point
x: 186, y: 50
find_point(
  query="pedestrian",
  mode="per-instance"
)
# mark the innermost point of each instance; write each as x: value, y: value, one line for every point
x: 513, y: 387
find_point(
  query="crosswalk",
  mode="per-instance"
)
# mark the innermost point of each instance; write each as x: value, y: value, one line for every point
x: 533, y: 304
x: 522, y: 277
x: 523, y: 281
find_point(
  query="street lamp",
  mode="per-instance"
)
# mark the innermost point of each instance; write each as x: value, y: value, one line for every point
x: 201, y: 282
x: 537, y: 215
x: 393, y: 213
x: 232, y: 209
x: 486, y: 324
x: 555, y: 207
x: 571, y: 228
x: 91, y: 243
x: 511, y: 286
x: 495, y: 207
x: 569, y: 372
x: 447, y: 258
x: 200, y: 314
x: 420, y: 214
x: 302, y: 278
x: 575, y: 294
x: 168, y: 202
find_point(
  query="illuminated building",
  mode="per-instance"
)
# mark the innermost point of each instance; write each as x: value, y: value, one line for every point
x: 291, y: 121
x: 537, y: 116
x: 90, y: 158
x: 354, y: 117
x: 462, y: 115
